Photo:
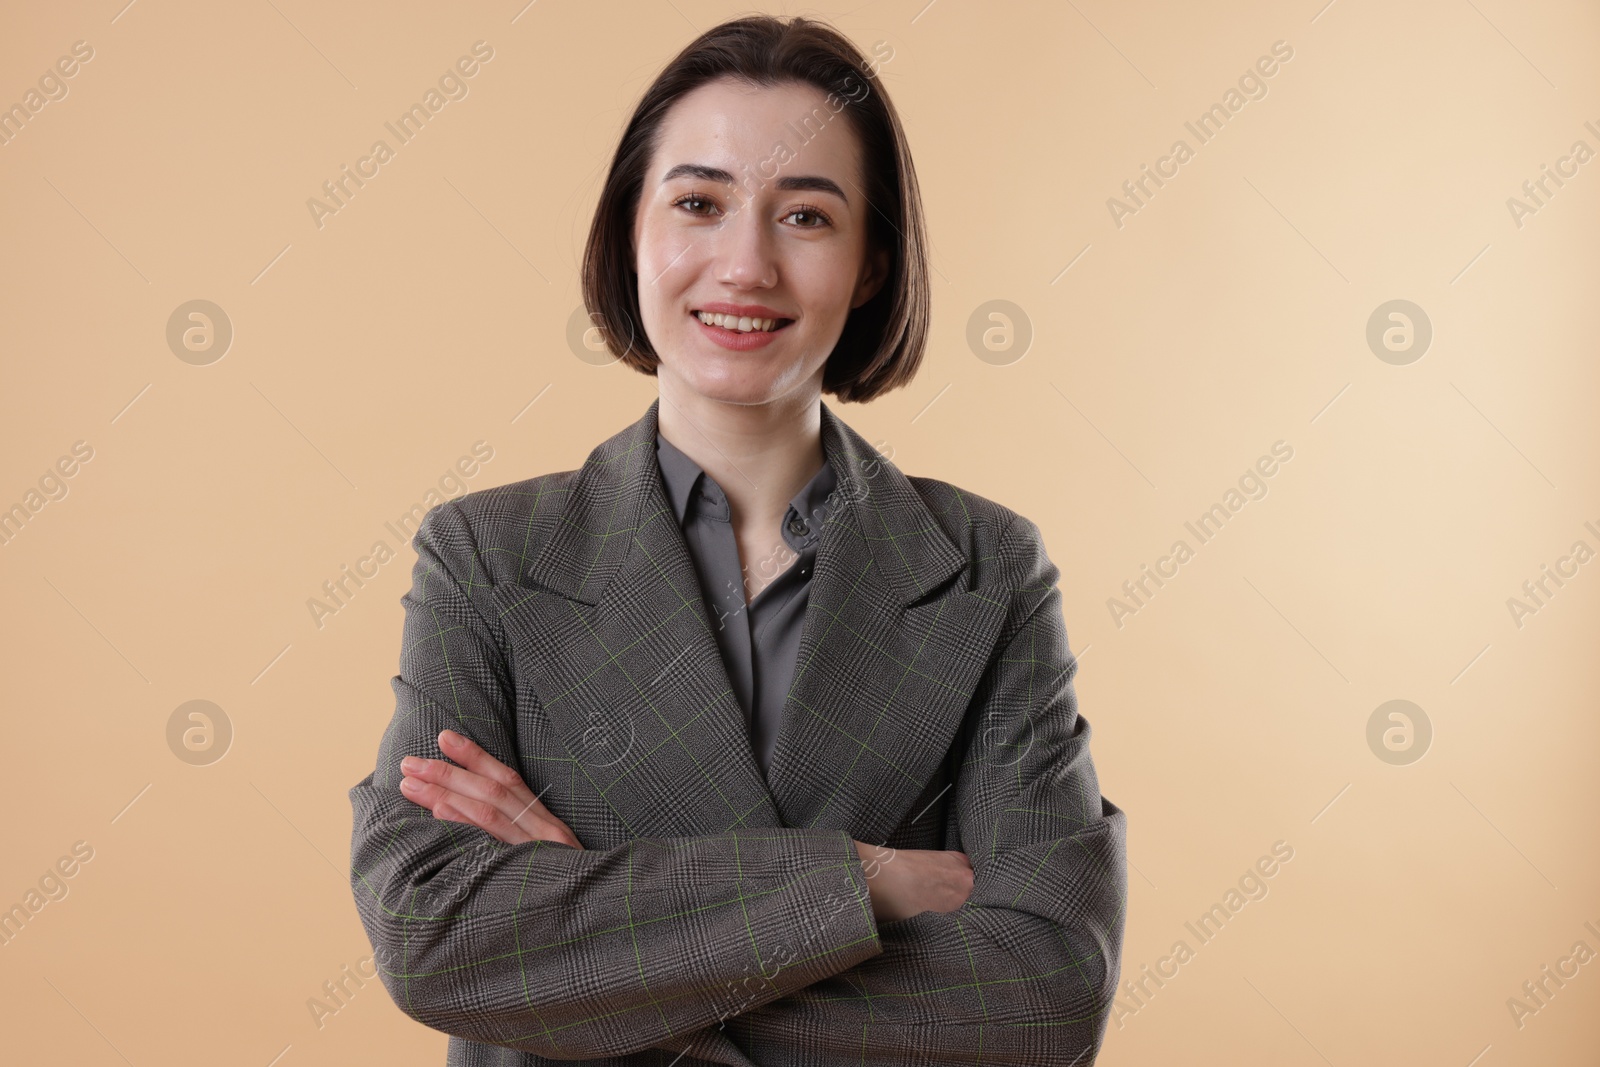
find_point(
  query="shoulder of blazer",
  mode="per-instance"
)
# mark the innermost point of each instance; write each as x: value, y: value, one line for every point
x: 1004, y: 548
x: 509, y: 523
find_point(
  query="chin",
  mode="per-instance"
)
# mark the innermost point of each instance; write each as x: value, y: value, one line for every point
x: 731, y: 382
x: 735, y: 391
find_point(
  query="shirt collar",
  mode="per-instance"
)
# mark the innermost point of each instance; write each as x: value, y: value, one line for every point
x: 686, y: 482
x: 680, y: 474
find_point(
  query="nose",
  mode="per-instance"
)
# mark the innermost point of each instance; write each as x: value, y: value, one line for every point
x: 745, y: 255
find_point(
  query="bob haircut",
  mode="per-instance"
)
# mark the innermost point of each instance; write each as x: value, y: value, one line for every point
x: 883, y: 340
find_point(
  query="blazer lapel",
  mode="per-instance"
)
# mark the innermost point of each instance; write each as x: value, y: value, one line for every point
x: 893, y: 647
x: 628, y: 671
x: 624, y: 659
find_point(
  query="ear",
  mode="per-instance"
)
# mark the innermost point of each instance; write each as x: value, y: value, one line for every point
x: 873, y: 276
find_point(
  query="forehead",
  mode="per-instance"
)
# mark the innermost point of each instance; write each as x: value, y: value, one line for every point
x: 732, y: 124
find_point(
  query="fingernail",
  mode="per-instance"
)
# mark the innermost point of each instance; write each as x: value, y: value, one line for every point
x: 412, y: 765
x: 410, y: 785
x: 449, y: 737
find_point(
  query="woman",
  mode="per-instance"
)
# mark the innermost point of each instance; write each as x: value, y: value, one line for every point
x: 740, y: 746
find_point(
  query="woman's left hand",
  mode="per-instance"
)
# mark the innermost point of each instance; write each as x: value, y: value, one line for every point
x: 482, y: 792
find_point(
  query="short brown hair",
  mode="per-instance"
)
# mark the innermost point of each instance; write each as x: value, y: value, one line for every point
x: 883, y: 339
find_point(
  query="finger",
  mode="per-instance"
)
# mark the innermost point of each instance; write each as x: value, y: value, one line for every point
x: 467, y: 752
x: 544, y: 823
x: 437, y: 799
x: 484, y: 816
x: 506, y: 792
x: 475, y: 758
x: 420, y: 792
x: 455, y: 807
x: 444, y: 811
x: 467, y: 783
x: 491, y: 819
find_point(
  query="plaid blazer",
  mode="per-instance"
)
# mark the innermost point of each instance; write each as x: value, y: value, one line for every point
x: 713, y: 915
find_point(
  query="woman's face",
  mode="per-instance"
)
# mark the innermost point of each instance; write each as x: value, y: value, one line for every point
x: 741, y: 214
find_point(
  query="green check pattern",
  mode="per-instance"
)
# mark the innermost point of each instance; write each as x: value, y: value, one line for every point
x: 715, y: 915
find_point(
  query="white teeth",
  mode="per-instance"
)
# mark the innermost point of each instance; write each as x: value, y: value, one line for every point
x: 742, y: 324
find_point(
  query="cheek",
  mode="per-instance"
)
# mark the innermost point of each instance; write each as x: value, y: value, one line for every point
x: 827, y: 284
x: 667, y: 265
x: 650, y: 264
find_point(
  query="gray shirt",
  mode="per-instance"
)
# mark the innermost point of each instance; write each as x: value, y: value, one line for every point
x: 759, y: 640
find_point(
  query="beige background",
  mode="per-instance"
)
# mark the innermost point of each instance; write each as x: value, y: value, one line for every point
x: 1228, y: 313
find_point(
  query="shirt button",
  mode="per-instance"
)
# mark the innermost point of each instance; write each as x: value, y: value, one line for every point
x: 798, y: 527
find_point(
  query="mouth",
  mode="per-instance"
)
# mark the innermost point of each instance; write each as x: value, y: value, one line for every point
x: 739, y: 324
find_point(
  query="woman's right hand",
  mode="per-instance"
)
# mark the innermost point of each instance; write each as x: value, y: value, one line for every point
x: 908, y: 881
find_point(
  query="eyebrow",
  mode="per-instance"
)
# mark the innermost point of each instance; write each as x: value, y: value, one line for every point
x: 791, y: 182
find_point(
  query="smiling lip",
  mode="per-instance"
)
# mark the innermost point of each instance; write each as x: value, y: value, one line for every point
x: 754, y: 311
x: 734, y: 339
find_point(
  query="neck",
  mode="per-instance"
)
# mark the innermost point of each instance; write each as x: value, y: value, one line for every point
x: 760, y: 454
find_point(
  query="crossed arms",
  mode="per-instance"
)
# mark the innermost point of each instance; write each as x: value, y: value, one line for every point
x: 574, y: 953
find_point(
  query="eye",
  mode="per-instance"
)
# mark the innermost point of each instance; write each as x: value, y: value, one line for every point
x: 692, y: 198
x: 815, y: 213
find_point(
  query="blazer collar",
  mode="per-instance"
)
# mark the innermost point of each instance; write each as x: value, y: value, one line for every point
x: 619, y: 491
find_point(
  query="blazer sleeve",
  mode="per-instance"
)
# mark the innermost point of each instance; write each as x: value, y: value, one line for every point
x: 1025, y: 971
x: 567, y: 953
